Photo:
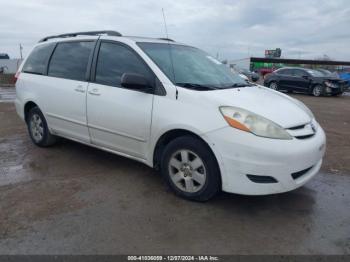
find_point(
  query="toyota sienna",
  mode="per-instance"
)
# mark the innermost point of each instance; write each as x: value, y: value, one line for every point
x: 172, y: 107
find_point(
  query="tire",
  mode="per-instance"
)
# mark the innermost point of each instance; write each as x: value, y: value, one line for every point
x: 273, y: 85
x: 38, y: 130
x: 317, y: 90
x: 196, y: 179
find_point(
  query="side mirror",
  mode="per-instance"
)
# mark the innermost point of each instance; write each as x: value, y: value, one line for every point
x: 135, y: 82
x: 305, y: 77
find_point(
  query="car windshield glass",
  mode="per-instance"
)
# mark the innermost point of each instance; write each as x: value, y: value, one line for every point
x: 325, y: 72
x: 315, y: 73
x: 191, y: 68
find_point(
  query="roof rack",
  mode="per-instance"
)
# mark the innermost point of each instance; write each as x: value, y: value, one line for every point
x: 166, y: 39
x: 106, y: 32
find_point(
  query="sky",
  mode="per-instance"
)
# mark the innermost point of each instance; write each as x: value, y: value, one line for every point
x: 228, y: 29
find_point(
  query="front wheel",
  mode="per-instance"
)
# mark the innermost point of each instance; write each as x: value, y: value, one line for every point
x: 38, y: 129
x: 190, y: 169
x: 317, y: 90
x: 273, y: 86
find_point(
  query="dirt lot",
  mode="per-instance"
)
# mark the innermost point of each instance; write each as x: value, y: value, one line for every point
x: 73, y: 199
x: 333, y: 113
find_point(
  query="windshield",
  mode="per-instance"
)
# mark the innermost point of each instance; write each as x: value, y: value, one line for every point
x: 325, y: 72
x: 192, y: 68
x: 315, y: 73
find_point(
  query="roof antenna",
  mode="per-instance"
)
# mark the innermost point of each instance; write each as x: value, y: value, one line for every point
x: 165, y: 26
x: 170, y: 54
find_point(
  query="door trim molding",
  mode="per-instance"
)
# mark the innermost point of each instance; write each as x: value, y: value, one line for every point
x: 66, y: 119
x: 140, y: 139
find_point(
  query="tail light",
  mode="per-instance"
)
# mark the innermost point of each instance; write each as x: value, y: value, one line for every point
x: 16, y: 76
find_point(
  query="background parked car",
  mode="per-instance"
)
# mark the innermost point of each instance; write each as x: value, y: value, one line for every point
x: 3, y: 69
x: 346, y: 77
x: 265, y: 71
x: 304, y: 80
x: 4, y: 56
x: 251, y: 75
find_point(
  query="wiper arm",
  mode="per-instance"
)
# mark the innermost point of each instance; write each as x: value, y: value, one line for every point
x: 196, y: 86
x: 241, y: 85
x: 237, y: 85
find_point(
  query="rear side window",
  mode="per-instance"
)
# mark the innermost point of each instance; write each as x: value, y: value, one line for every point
x: 70, y: 60
x: 38, y: 58
x: 114, y: 60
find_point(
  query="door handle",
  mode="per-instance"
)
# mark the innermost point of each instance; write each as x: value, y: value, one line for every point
x: 80, y: 89
x: 94, y: 92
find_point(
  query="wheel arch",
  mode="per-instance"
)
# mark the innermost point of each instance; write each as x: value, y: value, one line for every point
x: 169, y: 136
x: 27, y: 107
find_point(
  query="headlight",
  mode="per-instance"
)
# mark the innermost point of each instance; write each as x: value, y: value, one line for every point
x: 247, y: 121
x: 329, y: 84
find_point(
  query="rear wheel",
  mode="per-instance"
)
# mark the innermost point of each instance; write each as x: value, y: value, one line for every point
x: 273, y: 85
x: 317, y: 90
x: 190, y: 169
x: 38, y: 130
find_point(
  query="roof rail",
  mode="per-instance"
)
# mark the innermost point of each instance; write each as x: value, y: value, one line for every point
x: 166, y: 39
x: 106, y: 32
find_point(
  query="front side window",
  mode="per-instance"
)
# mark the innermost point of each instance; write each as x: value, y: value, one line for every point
x: 70, y: 60
x: 37, y: 61
x: 190, y: 67
x: 114, y: 60
x: 299, y: 73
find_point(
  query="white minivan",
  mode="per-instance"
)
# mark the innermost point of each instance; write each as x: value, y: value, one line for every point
x: 172, y: 107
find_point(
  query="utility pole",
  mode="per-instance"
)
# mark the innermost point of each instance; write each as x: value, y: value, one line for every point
x: 20, y: 51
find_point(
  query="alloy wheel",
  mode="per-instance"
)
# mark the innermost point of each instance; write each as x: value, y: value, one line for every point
x: 187, y: 171
x: 274, y: 86
x: 36, y: 127
x: 317, y: 91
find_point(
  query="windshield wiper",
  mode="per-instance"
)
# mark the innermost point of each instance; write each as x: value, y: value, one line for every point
x: 196, y: 86
x: 236, y: 85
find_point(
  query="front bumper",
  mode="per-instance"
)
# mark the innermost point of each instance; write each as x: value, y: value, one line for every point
x: 334, y: 90
x: 241, y: 153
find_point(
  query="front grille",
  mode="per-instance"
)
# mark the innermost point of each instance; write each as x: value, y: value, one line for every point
x: 304, y: 137
x: 296, y: 127
x: 262, y: 179
x: 302, y: 131
x: 298, y: 174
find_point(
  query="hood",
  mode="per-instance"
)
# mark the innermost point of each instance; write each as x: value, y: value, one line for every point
x: 329, y: 78
x: 275, y: 106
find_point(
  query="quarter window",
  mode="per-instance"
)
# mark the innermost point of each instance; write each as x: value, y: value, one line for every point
x: 37, y: 61
x: 114, y: 60
x: 70, y: 60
